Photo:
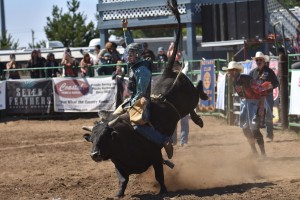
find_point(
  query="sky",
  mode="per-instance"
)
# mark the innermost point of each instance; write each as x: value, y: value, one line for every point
x: 22, y: 16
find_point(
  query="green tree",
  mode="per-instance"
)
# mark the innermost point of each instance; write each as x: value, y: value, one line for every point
x: 291, y: 3
x: 70, y: 28
x: 40, y: 44
x: 7, y: 42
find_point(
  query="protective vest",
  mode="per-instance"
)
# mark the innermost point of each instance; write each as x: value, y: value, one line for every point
x: 132, y: 78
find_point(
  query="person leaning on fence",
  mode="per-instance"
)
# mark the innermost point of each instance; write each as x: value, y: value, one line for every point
x: 36, y: 62
x: 264, y: 74
x: 105, y: 58
x: 97, y: 54
x: 51, y: 62
x: 147, y: 53
x: 161, y: 59
x: 12, y: 64
x: 2, y: 68
x: 69, y: 63
x: 85, y: 65
x: 249, y: 92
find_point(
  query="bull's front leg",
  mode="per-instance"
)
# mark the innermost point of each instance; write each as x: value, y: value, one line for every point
x: 159, y: 175
x: 123, y: 180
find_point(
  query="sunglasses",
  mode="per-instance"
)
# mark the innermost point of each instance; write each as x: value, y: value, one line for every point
x: 259, y: 60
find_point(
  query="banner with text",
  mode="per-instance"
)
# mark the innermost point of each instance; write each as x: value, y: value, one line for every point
x: 2, y: 95
x: 295, y: 93
x: 84, y: 94
x: 208, y: 78
x: 29, y: 96
x: 220, y: 102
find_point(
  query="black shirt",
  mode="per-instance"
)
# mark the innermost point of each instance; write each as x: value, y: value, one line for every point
x: 263, y: 75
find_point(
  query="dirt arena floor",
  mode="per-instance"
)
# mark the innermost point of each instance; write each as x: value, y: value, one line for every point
x: 48, y: 159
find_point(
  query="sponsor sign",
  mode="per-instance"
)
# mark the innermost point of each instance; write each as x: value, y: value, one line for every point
x: 208, y: 78
x: 2, y: 95
x: 220, y: 103
x: 84, y: 94
x: 295, y: 93
x: 29, y: 96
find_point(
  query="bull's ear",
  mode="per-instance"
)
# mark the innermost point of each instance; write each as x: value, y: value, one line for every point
x: 87, y: 137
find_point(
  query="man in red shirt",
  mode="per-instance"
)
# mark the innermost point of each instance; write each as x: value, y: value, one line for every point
x: 249, y: 92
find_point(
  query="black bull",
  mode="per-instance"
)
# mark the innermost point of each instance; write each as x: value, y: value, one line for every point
x: 133, y: 154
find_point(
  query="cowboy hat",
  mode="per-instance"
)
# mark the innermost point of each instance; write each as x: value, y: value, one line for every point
x: 234, y: 65
x: 260, y: 54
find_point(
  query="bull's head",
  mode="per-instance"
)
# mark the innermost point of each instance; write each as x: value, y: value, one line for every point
x: 100, y: 138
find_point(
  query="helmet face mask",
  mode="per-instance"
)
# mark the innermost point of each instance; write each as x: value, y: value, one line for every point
x: 134, y: 51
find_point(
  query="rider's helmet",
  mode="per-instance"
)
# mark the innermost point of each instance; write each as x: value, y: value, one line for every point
x: 134, y: 51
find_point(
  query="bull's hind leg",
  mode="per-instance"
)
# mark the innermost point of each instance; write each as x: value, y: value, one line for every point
x: 159, y: 175
x: 123, y: 180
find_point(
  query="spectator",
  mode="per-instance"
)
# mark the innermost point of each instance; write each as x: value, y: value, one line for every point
x: 105, y: 59
x: 264, y: 74
x: 96, y: 59
x: 184, y: 133
x: 85, y: 65
x: 170, y: 51
x: 70, y: 64
x: 51, y: 62
x: 184, y: 122
x: 12, y: 64
x: 118, y: 75
x: 115, y: 55
x: 249, y: 92
x: 161, y: 59
x: 147, y: 53
x: 40, y: 55
x: 2, y: 67
x: 119, y: 70
x: 106, y: 70
x: 35, y: 62
x: 97, y: 54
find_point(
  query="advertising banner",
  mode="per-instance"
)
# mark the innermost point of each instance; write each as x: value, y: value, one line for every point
x: 208, y: 78
x: 220, y: 103
x: 84, y: 94
x: 2, y: 95
x: 29, y: 96
x: 295, y: 93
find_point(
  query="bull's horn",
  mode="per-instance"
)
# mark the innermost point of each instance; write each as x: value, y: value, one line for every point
x: 87, y: 128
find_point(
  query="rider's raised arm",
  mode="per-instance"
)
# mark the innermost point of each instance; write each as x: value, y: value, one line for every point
x: 127, y: 34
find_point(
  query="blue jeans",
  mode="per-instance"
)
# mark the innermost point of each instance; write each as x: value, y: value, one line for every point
x: 184, y: 133
x: 248, y: 110
x: 269, y: 104
x: 151, y: 134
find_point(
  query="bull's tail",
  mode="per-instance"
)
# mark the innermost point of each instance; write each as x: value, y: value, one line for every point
x: 172, y: 4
